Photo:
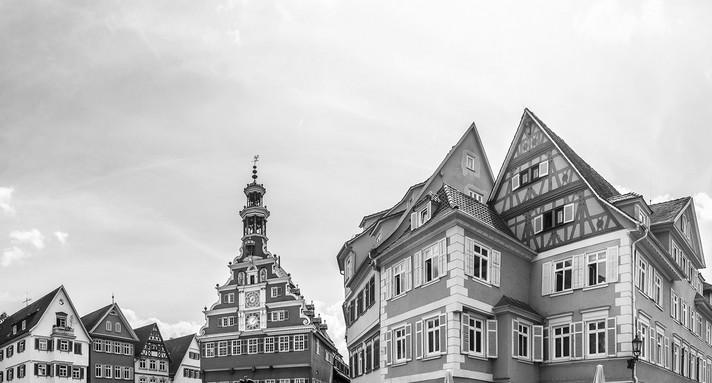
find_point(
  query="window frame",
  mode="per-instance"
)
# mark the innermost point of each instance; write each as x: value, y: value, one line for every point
x: 599, y: 334
x: 431, y: 327
x: 564, y: 270
x: 565, y: 342
x: 601, y: 259
x: 400, y: 354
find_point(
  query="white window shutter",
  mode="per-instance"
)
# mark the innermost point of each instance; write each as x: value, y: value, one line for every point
x: 578, y: 274
x: 515, y: 338
x: 538, y: 344
x: 538, y: 224
x: 469, y: 257
x: 569, y: 213
x: 388, y: 348
x: 417, y: 269
x: 667, y: 352
x: 443, y: 333
x: 546, y: 278
x: 611, y: 341
x: 408, y: 275
x: 408, y: 341
x: 418, y: 339
x: 442, y: 258
x: 543, y: 168
x: 465, y: 334
x: 612, y: 264
x: 651, y: 279
x: 491, y: 338
x: 389, y: 279
x: 515, y: 182
x: 495, y: 267
x: 577, y: 331
x: 413, y: 221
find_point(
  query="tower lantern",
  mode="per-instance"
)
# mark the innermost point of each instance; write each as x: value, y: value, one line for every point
x: 254, y: 218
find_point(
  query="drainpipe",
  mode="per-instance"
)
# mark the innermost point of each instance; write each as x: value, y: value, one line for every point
x: 633, y: 292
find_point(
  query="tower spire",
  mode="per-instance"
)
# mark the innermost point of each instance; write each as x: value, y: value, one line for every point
x: 254, y: 218
x: 254, y: 168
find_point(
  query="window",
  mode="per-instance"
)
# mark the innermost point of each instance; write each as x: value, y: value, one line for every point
x: 252, y: 346
x: 477, y: 261
x: 229, y: 298
x: 530, y: 175
x: 658, y: 290
x: 21, y: 371
x: 475, y: 336
x: 108, y: 326
x: 276, y: 291
x: 431, y: 263
x: 401, y: 277
x: 10, y: 351
x: 562, y: 275
x: 162, y: 365
x: 476, y: 196
x: 562, y: 342
x: 554, y: 218
x: 142, y: 364
x: 596, y: 338
x: 269, y: 344
x: 222, y: 349
x: 64, y: 345
x: 659, y: 350
x: 641, y: 281
x: 21, y: 346
x: 152, y: 362
x: 349, y: 267
x: 236, y: 347
x: 42, y: 369
x: 644, y: 347
x: 128, y: 349
x: 674, y: 306
x: 522, y: 337
x: 128, y: 373
x: 117, y: 347
x: 399, y: 336
x: 284, y: 344
x: 596, y: 266
x: 470, y: 163
x: 420, y: 216
x: 107, y: 371
x: 279, y: 315
x: 300, y: 343
x: 208, y: 351
x: 432, y: 336
x: 642, y: 217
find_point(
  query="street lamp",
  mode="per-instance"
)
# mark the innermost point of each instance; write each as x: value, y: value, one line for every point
x: 637, y: 343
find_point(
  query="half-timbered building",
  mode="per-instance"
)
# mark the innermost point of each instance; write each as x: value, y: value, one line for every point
x: 549, y: 274
x: 151, y: 359
x: 261, y: 327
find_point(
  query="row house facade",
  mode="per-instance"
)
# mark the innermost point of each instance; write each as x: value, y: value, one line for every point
x: 261, y: 327
x: 151, y: 358
x: 537, y: 275
x: 184, y: 353
x: 45, y: 342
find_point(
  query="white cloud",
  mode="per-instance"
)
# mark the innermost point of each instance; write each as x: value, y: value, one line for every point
x: 33, y: 237
x: 622, y: 189
x: 660, y: 198
x: 617, y: 22
x: 5, y: 197
x: 168, y: 330
x: 703, y: 206
x: 61, y: 236
x: 11, y: 255
x: 332, y: 315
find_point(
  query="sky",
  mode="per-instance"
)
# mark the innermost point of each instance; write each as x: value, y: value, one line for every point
x: 127, y: 129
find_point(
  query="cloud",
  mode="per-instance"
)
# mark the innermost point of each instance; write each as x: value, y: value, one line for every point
x: 703, y: 206
x: 622, y: 189
x: 332, y: 315
x: 5, y: 197
x: 33, y: 237
x: 660, y: 198
x: 168, y: 330
x: 61, y: 236
x: 615, y: 21
x: 11, y: 255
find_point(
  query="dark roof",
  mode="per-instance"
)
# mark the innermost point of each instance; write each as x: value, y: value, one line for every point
x: 623, y: 197
x: 143, y: 333
x: 90, y: 320
x: 479, y: 211
x: 507, y: 301
x: 176, y: 349
x: 31, y: 314
x: 664, y: 212
x: 599, y: 184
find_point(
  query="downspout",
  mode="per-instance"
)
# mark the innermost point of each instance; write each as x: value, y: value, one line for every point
x: 633, y: 292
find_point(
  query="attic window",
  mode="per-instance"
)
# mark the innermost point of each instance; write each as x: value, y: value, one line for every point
x: 530, y: 175
x: 470, y: 163
x: 477, y: 196
x: 642, y: 217
x: 421, y: 216
x: 379, y: 236
x: 24, y: 324
x: 554, y: 218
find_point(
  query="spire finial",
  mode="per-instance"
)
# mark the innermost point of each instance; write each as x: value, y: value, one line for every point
x: 254, y: 167
x: 112, y: 298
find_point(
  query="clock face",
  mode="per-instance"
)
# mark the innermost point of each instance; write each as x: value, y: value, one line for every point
x: 253, y: 322
x: 252, y: 299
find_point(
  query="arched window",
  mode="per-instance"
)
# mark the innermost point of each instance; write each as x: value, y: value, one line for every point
x: 117, y: 327
x: 108, y: 326
x: 263, y: 275
x: 240, y: 278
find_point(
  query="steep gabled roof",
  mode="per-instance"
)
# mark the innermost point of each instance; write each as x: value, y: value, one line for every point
x: 667, y: 212
x: 32, y: 314
x: 506, y: 301
x: 90, y: 320
x: 176, y: 349
x: 623, y: 197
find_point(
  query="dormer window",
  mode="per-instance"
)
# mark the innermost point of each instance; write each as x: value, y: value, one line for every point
x: 61, y: 320
x: 476, y: 196
x: 642, y: 217
x: 14, y: 329
x: 421, y: 216
x: 24, y: 325
x: 530, y: 175
x: 349, y: 266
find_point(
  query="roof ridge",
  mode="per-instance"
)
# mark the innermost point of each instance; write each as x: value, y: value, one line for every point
x: 672, y: 200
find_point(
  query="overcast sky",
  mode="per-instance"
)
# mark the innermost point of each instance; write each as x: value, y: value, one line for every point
x: 127, y: 128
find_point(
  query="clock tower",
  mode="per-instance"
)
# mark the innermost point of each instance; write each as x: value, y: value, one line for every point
x: 261, y: 326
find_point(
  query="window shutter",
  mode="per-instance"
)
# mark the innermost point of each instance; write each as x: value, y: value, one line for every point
x: 50, y: 370
x: 243, y: 347
x: 515, y: 338
x: 57, y: 370
x: 612, y: 264
x: 408, y: 274
x: 36, y: 368
x: 443, y: 334
x: 546, y: 278
x: 546, y: 344
x: 81, y: 372
x: 50, y: 345
x: 418, y: 339
x: 413, y: 221
x: 538, y: 343
x: 417, y: 269
x: 653, y: 348
x: 538, y: 226
x: 491, y: 338
x: 667, y: 352
x: 495, y: 267
x: 469, y: 257
x: 389, y: 348
x: 465, y: 334
x: 569, y: 213
x: 578, y: 274
x: 577, y: 331
x: 408, y: 342
x: 611, y: 341
x: 650, y: 280
x: 37, y: 346
x: 543, y: 168
x: 389, y: 278
x: 70, y: 346
x: 442, y: 258
x: 515, y: 182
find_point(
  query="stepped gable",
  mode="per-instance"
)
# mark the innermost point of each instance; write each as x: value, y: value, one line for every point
x: 599, y: 184
x: 666, y: 212
x: 32, y: 313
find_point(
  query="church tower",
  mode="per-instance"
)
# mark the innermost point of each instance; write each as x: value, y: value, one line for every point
x: 261, y: 326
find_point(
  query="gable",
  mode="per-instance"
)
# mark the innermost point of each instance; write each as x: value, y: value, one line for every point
x: 61, y: 306
x: 113, y: 324
x: 686, y: 223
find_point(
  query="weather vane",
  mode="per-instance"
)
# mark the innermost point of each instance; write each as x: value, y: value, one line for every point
x: 27, y: 299
x: 254, y: 161
x: 254, y: 167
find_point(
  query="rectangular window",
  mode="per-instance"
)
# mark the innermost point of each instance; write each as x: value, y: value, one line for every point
x: 400, y: 278
x: 562, y: 275
x: 229, y: 298
x: 470, y: 163
x: 117, y: 347
x: 658, y: 290
x: 432, y: 336
x: 660, y: 351
x: 107, y: 346
x: 431, y: 263
x: 300, y: 343
x: 152, y: 363
x: 98, y: 347
x: 554, y: 218
x: 562, y: 342
x: 284, y: 344
x: 208, y: 351
x: 107, y: 371
x: 479, y: 257
x: 644, y: 347
x: 476, y: 335
x: 42, y: 369
x: 596, y: 266
x: 64, y: 345
x: 523, y: 340
x: 21, y: 371
x: 476, y: 196
x: 275, y: 292
x: 117, y: 372
x: 642, y: 280
x: 252, y: 346
x: 269, y: 344
x: 399, y: 336
x: 596, y: 331
x: 21, y: 346
x: 222, y: 350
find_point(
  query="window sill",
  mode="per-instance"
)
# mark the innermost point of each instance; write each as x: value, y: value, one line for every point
x: 476, y: 356
x: 399, y: 363
x: 594, y: 287
x: 560, y: 293
x: 431, y: 282
x: 431, y: 357
x: 523, y: 360
x: 481, y: 281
